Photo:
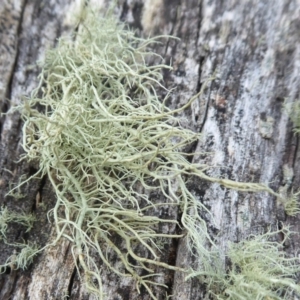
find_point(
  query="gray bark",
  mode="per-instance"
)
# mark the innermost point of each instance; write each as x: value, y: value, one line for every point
x: 252, y: 48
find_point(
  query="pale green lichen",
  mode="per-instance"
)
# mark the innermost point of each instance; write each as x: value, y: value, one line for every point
x: 259, y: 269
x: 289, y: 200
x: 16, y: 193
x: 291, y: 203
x: 25, y: 257
x: 293, y: 110
x: 21, y: 259
x: 7, y: 216
x: 106, y: 141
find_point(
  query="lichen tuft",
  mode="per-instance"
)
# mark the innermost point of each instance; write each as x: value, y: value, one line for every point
x: 107, y: 141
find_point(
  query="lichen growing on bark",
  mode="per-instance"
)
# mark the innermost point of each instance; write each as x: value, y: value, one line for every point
x: 259, y: 269
x: 103, y: 134
x: 105, y: 139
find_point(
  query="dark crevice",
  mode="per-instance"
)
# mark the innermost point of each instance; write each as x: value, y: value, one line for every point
x: 67, y: 252
x: 201, y: 58
x: 124, y: 12
x: 32, y: 171
x: 136, y: 12
x: 2, y: 120
x: 173, y: 251
x: 9, y: 285
x: 19, y: 234
x: 201, y: 62
x: 199, y: 25
x: 295, y: 151
x: 180, y: 25
x: 18, y: 129
x: 58, y: 32
x: 171, y: 32
x: 19, y: 30
x: 199, y: 86
x: 281, y: 234
x: 39, y: 194
x: 6, y: 106
x: 21, y: 18
x: 7, y: 271
x: 71, y: 283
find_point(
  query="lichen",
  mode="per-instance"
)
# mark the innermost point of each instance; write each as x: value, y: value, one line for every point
x: 293, y: 110
x: 106, y: 141
x: 7, y: 216
x: 23, y: 258
x: 261, y: 269
x: 103, y: 132
x: 20, y: 259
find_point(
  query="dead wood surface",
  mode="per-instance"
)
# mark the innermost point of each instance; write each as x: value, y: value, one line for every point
x: 253, y: 50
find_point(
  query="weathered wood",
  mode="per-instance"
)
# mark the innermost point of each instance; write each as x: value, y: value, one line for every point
x: 253, y: 50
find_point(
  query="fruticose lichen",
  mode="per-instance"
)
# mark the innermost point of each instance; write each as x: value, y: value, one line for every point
x: 106, y: 141
x: 293, y: 110
x: 6, y: 217
x: 21, y: 259
x: 260, y: 269
x: 24, y: 257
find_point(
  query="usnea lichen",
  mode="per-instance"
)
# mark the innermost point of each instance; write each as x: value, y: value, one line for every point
x: 293, y: 110
x: 6, y: 217
x: 21, y: 258
x: 107, y: 142
x: 260, y: 269
x: 103, y: 134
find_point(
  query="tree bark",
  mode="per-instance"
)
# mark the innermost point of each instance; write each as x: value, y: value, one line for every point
x: 252, y: 48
